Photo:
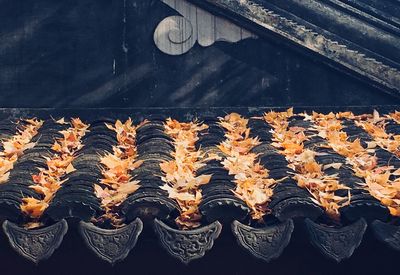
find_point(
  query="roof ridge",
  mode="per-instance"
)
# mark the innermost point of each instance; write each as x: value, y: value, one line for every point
x: 335, y: 50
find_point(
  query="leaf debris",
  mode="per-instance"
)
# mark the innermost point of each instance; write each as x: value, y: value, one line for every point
x: 117, y: 183
x: 253, y: 184
x: 15, y: 146
x: 309, y: 174
x: 180, y: 178
x: 49, y: 180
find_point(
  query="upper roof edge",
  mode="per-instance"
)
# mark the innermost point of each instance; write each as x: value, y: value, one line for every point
x: 266, y: 19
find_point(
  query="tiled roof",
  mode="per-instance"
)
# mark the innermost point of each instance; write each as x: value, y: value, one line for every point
x: 332, y: 212
x: 362, y: 36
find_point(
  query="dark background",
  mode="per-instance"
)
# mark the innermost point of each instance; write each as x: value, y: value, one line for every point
x: 61, y: 54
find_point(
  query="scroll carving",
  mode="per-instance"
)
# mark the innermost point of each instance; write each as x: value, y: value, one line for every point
x: 176, y: 35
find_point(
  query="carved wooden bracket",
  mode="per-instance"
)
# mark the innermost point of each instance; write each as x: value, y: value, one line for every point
x: 36, y: 244
x: 176, y: 35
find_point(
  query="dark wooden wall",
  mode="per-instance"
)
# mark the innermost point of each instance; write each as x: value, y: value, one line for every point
x: 86, y: 53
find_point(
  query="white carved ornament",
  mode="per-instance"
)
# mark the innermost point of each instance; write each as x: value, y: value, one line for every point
x: 176, y: 35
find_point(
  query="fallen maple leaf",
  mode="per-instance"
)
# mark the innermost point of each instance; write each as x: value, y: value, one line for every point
x: 33, y: 207
x: 116, y: 171
x: 49, y: 180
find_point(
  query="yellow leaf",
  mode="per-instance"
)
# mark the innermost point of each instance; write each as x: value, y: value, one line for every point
x: 70, y: 169
x: 174, y: 194
x: 168, y: 167
x: 61, y: 121
x: 33, y: 225
x: 333, y: 165
x: 4, y: 177
x: 33, y: 207
x: 110, y: 161
x: 371, y: 145
x: 203, y: 179
x: 100, y: 192
x: 128, y: 188
x: 376, y: 115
